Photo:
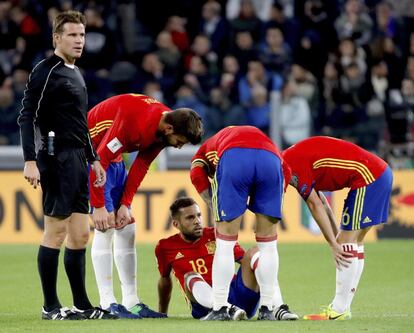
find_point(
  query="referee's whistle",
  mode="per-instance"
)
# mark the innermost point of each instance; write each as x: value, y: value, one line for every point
x: 51, y: 143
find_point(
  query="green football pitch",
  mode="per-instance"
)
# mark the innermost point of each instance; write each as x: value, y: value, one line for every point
x: 384, y: 302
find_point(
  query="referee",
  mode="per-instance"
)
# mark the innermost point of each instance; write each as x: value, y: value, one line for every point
x: 54, y: 111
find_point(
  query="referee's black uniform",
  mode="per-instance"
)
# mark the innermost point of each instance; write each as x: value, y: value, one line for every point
x: 55, y: 100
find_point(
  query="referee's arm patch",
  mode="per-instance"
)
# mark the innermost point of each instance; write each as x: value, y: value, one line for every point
x: 114, y: 145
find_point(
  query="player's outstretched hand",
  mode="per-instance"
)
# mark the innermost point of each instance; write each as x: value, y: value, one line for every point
x: 340, y: 256
x: 100, y: 174
x: 123, y: 217
x: 31, y: 173
x: 100, y: 218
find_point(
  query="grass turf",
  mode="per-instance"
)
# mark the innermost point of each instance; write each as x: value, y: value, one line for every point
x: 384, y: 302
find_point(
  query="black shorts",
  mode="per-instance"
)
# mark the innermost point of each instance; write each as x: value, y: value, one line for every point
x: 64, y: 181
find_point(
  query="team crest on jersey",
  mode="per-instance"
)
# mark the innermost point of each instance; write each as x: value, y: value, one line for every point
x: 211, y: 247
x: 114, y: 145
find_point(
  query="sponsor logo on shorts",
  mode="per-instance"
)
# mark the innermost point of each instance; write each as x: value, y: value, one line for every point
x: 366, y: 220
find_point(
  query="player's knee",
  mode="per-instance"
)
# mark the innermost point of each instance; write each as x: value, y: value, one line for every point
x: 54, y: 238
x: 190, y: 278
x: 78, y: 241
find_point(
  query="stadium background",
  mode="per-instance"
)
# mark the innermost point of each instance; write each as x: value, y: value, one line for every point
x: 293, y: 68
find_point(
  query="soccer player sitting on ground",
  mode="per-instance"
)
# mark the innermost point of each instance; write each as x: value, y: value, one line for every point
x: 329, y: 164
x: 189, y: 254
x: 128, y: 123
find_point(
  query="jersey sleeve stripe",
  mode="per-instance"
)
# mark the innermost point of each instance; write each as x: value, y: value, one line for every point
x: 100, y: 125
x: 200, y: 160
x: 348, y: 162
x: 345, y: 164
x: 96, y: 132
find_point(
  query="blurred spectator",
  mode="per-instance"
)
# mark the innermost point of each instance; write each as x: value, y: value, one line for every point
x: 167, y: 51
x: 222, y: 112
x: 201, y: 47
x: 186, y: 98
x: 306, y: 87
x: 257, y: 76
x: 385, y: 48
x: 244, y: 49
x: 29, y: 30
x: 215, y: 27
x: 295, y: 116
x: 247, y: 20
x: 176, y: 26
x: 9, y: 130
x: 9, y: 34
x: 354, y: 23
x: 385, y: 22
x: 349, y: 52
x: 153, y: 89
x: 275, y: 54
x: 152, y: 69
x: 290, y: 27
x: 98, y: 41
x: 261, y: 8
x: 199, y: 78
x: 258, y: 110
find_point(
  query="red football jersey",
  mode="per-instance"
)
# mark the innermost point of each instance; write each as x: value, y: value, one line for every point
x: 125, y: 123
x: 329, y: 164
x: 230, y: 137
x: 176, y: 255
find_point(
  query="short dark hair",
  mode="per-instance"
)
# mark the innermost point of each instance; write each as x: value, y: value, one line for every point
x: 70, y: 16
x: 180, y: 203
x: 186, y: 122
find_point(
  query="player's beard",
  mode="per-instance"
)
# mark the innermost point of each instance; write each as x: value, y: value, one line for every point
x: 191, y: 237
x: 164, y: 139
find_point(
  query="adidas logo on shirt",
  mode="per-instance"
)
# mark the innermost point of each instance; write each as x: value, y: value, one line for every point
x: 179, y: 255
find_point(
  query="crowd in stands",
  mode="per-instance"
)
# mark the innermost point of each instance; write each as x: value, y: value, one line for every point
x: 293, y: 68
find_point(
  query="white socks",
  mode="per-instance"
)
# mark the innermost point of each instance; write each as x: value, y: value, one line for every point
x: 267, y: 270
x: 125, y: 260
x: 126, y: 264
x: 223, y: 270
x: 201, y: 290
x: 102, y: 264
x: 345, y: 280
x: 277, y: 296
x: 361, y: 261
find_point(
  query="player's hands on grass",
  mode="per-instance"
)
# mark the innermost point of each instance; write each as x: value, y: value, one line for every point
x: 31, y: 173
x: 340, y: 256
x: 101, y: 219
x: 100, y: 174
x: 123, y: 217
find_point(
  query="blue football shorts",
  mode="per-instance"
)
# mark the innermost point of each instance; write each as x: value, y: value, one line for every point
x: 369, y: 205
x: 247, y: 178
x: 239, y: 295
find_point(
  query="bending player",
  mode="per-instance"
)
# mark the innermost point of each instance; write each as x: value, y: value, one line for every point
x: 247, y: 172
x: 128, y: 123
x: 328, y: 164
x: 189, y: 254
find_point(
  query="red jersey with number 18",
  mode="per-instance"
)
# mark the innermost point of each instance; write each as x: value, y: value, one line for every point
x: 176, y: 255
x: 329, y: 164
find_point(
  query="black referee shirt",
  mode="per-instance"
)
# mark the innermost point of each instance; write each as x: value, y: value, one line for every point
x: 55, y: 99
